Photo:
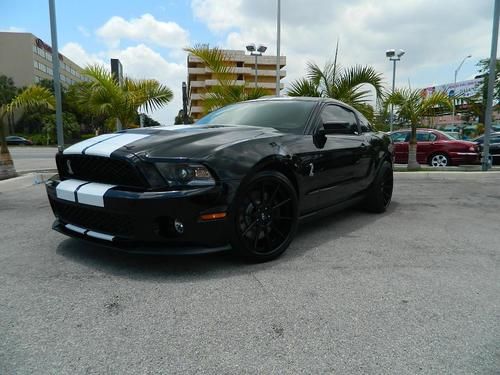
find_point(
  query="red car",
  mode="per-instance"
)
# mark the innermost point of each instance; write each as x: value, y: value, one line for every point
x: 435, y: 148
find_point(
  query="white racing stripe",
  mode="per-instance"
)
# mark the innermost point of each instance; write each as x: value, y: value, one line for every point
x: 107, y: 147
x: 93, y: 194
x: 74, y: 228
x: 100, y: 236
x: 77, y: 148
x: 66, y: 189
x: 91, y: 233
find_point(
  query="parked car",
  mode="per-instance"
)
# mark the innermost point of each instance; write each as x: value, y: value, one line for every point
x: 240, y: 178
x: 494, y: 146
x: 435, y: 148
x: 16, y: 140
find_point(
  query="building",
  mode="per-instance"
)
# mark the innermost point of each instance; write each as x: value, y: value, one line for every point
x: 459, y: 90
x: 28, y: 59
x: 200, y: 78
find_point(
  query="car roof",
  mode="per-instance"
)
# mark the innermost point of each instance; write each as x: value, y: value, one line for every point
x: 303, y: 99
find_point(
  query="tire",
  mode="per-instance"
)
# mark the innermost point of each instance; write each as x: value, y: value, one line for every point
x: 264, y: 217
x: 379, y: 194
x: 439, y: 160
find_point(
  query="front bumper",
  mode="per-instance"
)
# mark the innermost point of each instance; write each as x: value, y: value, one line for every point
x: 138, y: 221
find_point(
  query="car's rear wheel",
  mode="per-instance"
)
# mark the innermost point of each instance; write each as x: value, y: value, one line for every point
x: 379, y: 195
x: 264, y: 217
x: 439, y: 160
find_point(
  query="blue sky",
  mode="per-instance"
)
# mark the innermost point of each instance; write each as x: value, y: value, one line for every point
x: 148, y: 36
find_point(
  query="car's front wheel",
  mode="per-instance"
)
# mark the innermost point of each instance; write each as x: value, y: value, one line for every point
x: 439, y: 160
x: 264, y: 216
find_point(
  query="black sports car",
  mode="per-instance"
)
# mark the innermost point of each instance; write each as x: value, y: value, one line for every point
x: 240, y: 178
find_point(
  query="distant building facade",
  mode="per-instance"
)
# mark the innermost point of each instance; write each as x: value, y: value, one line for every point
x: 28, y: 59
x: 200, y: 78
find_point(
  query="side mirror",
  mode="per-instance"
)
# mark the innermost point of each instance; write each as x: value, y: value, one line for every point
x: 339, y: 127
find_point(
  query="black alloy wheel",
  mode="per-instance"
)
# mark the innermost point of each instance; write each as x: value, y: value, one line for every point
x: 265, y: 216
x: 379, y: 195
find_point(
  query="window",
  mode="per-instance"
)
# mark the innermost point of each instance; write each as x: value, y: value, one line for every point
x: 345, y: 118
x: 399, y: 137
x: 73, y: 72
x: 239, y: 64
x: 37, y: 79
x: 42, y: 67
x: 40, y: 51
x: 50, y: 71
x: 364, y: 124
x: 35, y: 64
x: 432, y: 137
x: 34, y: 48
x: 48, y: 56
x: 240, y: 77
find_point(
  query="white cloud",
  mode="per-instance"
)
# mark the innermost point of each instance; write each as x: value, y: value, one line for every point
x: 139, y: 62
x: 75, y: 52
x: 143, y: 29
x: 435, y: 34
x: 14, y: 29
x: 83, y: 31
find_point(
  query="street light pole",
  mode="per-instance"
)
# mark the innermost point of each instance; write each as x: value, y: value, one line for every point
x: 278, y: 42
x: 393, y: 56
x: 251, y: 48
x: 491, y: 82
x: 57, y: 82
x: 454, y: 86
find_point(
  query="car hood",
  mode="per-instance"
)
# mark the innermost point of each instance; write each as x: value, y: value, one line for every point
x: 177, y: 141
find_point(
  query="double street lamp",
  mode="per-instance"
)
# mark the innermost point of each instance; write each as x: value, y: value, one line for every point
x: 393, y: 55
x: 256, y: 52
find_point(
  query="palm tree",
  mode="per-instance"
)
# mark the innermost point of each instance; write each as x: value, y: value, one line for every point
x: 344, y: 84
x: 411, y: 106
x: 32, y: 97
x: 227, y: 90
x: 104, y: 95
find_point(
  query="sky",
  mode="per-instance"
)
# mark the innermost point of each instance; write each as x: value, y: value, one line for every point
x: 149, y: 36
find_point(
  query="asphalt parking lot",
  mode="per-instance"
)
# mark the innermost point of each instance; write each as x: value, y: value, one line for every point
x: 413, y: 291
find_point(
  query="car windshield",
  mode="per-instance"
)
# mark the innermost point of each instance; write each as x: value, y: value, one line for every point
x: 285, y: 116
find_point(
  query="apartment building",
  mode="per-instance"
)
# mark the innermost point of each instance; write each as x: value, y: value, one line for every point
x: 200, y: 78
x: 28, y: 59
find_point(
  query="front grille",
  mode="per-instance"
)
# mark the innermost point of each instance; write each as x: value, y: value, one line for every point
x: 100, y: 169
x: 94, y: 219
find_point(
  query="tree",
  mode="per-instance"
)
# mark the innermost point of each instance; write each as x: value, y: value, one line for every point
x: 344, y: 84
x: 227, y: 90
x: 104, y: 96
x: 31, y: 97
x: 476, y: 104
x: 410, y: 106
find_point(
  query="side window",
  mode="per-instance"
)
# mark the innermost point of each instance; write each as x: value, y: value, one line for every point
x: 364, y: 124
x: 423, y: 137
x: 399, y: 137
x: 495, y: 139
x: 432, y: 137
x: 334, y: 113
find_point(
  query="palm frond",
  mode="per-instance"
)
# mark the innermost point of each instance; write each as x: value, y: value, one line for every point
x: 303, y: 87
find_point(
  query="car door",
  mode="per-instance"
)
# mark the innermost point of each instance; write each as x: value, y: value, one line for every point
x: 401, y: 144
x: 337, y: 157
x: 425, y: 145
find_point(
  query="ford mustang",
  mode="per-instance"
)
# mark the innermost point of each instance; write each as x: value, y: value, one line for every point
x: 240, y: 179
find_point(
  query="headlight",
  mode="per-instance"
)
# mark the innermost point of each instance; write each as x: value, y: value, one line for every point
x: 178, y: 175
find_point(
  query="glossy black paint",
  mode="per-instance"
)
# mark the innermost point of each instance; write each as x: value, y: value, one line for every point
x: 327, y: 172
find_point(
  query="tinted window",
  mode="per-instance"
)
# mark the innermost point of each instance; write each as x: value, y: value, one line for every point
x: 423, y: 137
x: 334, y: 113
x: 399, y: 137
x: 287, y: 116
x: 364, y: 124
x: 433, y: 137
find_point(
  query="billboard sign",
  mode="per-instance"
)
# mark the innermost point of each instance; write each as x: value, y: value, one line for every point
x: 464, y: 89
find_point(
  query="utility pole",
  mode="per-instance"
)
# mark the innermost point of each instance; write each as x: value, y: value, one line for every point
x: 278, y: 36
x: 57, y: 82
x: 491, y: 83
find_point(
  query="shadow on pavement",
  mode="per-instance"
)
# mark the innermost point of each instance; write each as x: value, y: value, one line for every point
x: 219, y: 265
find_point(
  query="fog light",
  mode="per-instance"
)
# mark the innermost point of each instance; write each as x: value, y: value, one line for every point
x: 179, y: 227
